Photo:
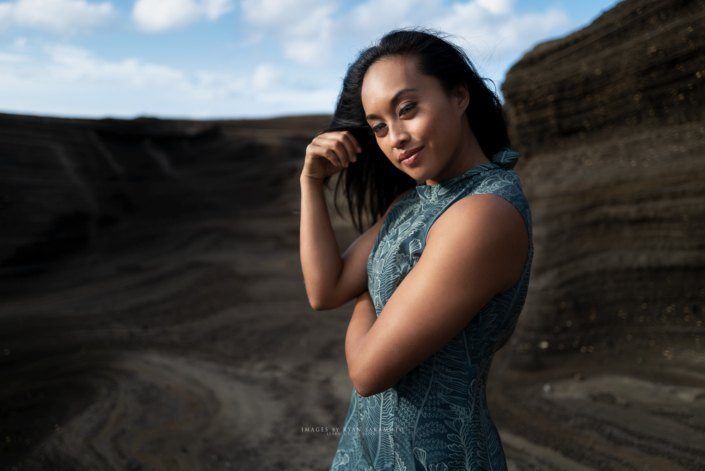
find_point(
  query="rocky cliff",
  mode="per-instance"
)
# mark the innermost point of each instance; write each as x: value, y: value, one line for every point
x: 607, y: 365
x: 64, y: 180
x: 611, y: 120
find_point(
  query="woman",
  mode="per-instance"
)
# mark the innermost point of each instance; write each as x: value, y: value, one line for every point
x: 441, y: 276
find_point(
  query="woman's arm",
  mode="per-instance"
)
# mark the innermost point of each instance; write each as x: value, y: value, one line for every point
x: 474, y: 250
x: 320, y: 255
x: 363, y: 317
x: 331, y: 279
x: 326, y: 154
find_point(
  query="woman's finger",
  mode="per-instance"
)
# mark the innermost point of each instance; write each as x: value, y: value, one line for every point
x: 352, y: 145
x: 337, y: 142
x: 324, y: 150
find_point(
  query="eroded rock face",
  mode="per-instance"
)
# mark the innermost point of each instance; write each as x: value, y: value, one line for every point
x: 62, y: 180
x: 611, y: 121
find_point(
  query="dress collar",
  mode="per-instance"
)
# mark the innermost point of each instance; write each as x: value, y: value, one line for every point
x: 505, y: 158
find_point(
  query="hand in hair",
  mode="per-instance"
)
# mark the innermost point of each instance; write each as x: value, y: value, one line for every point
x: 328, y: 153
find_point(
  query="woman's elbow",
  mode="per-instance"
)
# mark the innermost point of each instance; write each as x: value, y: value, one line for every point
x: 317, y: 300
x: 320, y: 304
x: 324, y: 303
x: 361, y: 388
x: 364, y: 384
x: 317, y: 305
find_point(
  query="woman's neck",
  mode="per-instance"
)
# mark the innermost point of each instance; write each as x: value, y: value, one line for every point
x: 468, y: 155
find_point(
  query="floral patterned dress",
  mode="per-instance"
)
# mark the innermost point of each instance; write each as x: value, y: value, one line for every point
x: 435, y: 418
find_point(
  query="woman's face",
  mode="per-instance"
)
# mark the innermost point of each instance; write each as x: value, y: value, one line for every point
x: 408, y: 110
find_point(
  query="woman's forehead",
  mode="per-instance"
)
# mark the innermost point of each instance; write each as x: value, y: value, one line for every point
x: 388, y: 76
x: 388, y: 72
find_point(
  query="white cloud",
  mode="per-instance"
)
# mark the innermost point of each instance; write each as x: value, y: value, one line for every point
x: 483, y: 27
x: 214, y: 9
x: 497, y: 7
x: 494, y: 38
x: 57, y: 16
x: 161, y: 15
x: 74, y: 64
x: 63, y: 79
x: 307, y: 51
x: 308, y: 31
x: 275, y: 12
x: 6, y: 10
x: 303, y: 27
x: 265, y: 76
x: 375, y: 18
x: 11, y: 58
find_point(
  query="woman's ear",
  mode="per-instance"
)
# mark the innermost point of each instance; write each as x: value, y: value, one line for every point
x: 462, y: 97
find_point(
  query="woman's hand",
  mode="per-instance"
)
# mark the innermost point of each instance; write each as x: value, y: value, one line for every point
x: 328, y: 153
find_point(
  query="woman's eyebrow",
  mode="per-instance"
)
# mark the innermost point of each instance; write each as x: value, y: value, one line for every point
x: 394, y: 100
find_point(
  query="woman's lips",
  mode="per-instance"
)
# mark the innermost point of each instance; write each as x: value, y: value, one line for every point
x: 413, y: 158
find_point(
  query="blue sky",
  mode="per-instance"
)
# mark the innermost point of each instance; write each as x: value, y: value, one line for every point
x: 237, y: 58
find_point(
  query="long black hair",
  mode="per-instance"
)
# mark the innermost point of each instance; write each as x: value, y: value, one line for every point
x: 373, y: 182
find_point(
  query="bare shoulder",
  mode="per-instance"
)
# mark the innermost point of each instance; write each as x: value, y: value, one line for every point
x: 482, y: 209
x: 486, y: 223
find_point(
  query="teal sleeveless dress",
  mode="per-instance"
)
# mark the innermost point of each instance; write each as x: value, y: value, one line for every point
x: 435, y: 418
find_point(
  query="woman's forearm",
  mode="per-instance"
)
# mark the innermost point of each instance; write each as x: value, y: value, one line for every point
x: 363, y: 317
x: 320, y: 255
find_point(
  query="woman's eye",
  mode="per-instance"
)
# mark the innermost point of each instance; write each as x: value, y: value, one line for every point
x: 407, y: 108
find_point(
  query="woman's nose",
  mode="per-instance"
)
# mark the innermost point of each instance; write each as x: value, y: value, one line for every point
x: 399, y: 135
